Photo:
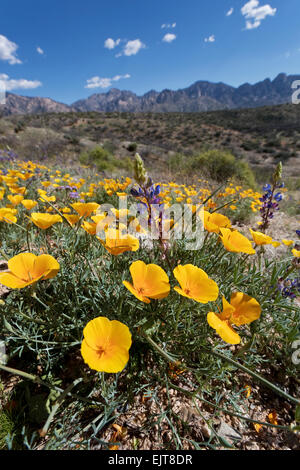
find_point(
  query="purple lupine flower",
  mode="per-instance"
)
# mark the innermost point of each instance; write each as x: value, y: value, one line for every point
x: 289, y: 288
x: 74, y: 195
x: 270, y: 203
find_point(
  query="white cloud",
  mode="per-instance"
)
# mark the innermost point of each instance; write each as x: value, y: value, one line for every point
x: 210, y: 38
x: 111, y: 44
x: 98, y: 82
x: 229, y: 13
x: 168, y: 25
x: 169, y: 37
x: 9, y: 84
x: 8, y: 51
x: 254, y: 13
x: 40, y: 50
x: 133, y: 47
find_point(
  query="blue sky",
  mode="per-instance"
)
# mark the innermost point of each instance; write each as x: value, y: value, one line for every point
x: 89, y: 46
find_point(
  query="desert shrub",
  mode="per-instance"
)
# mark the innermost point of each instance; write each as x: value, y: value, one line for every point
x: 132, y: 147
x: 221, y: 166
x: 103, y: 160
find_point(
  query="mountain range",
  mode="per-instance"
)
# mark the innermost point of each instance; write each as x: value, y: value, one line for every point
x: 201, y: 96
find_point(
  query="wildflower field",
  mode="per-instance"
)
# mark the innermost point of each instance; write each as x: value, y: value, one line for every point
x: 135, y: 315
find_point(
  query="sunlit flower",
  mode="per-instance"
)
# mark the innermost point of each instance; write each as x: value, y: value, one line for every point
x: 85, y: 209
x: 149, y: 282
x: 117, y: 243
x: 287, y: 242
x: 72, y: 218
x: 235, y: 242
x: 46, y: 198
x: 29, y: 204
x: 195, y: 284
x: 89, y: 227
x: 296, y: 253
x: 105, y: 345
x: 27, y: 268
x: 241, y: 310
x: 15, y: 200
x: 45, y: 221
x: 260, y: 238
x: 213, y: 222
x: 8, y: 215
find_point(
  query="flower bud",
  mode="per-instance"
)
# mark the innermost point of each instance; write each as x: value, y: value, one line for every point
x: 140, y: 173
x: 278, y: 173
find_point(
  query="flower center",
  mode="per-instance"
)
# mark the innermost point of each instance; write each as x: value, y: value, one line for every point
x: 100, y: 351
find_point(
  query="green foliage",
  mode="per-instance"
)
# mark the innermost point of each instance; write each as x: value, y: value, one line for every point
x: 103, y: 160
x: 132, y: 147
x: 218, y: 165
x: 6, y: 428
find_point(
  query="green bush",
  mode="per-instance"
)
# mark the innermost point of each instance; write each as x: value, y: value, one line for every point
x: 221, y: 166
x: 103, y: 160
x: 132, y: 147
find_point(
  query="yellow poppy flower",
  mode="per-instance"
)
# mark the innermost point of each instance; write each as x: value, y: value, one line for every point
x: 195, y: 284
x: 29, y: 204
x: 213, y: 222
x: 241, y: 310
x: 287, y: 242
x: 89, y: 227
x: 235, y: 242
x: 296, y: 253
x: 71, y: 218
x: 15, y: 200
x: 85, y: 209
x: 27, y: 268
x: 149, y: 282
x: 105, y: 345
x: 116, y: 243
x: 8, y: 215
x: 44, y: 198
x: 44, y: 221
x: 260, y: 238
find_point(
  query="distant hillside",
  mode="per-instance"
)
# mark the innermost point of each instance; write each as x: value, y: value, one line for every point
x: 16, y: 104
x: 201, y: 96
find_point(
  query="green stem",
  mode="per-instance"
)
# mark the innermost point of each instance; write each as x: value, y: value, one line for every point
x: 231, y: 413
x: 231, y: 361
x: 57, y: 405
x: 37, y: 380
x: 254, y: 375
x: 36, y: 298
x: 4, y: 255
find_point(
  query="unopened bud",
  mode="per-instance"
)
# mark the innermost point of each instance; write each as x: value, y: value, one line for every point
x: 140, y: 173
x: 278, y: 173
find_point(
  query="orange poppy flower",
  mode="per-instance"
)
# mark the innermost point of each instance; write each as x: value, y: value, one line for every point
x: 116, y: 243
x: 44, y: 221
x: 235, y: 242
x: 195, y: 284
x: 105, y: 345
x: 149, y: 282
x: 241, y: 310
x: 27, y: 268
